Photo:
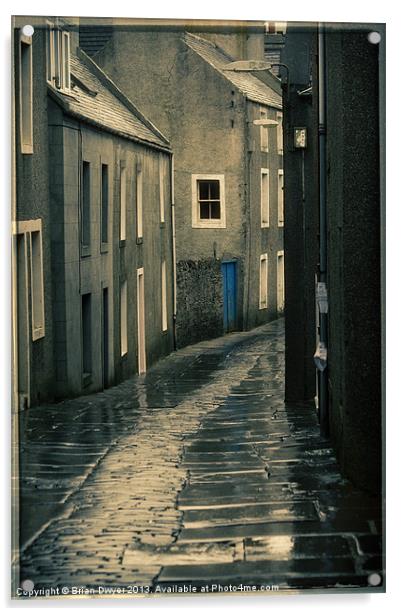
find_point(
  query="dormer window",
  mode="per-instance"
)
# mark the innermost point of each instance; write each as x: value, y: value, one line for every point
x: 58, y: 57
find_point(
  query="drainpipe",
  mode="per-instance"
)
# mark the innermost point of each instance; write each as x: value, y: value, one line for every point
x: 321, y: 353
x: 173, y: 250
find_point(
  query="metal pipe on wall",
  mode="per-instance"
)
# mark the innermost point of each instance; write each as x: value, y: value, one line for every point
x: 173, y: 222
x: 322, y: 138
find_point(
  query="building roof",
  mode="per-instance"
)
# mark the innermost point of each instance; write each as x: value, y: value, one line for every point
x: 247, y: 83
x: 96, y: 99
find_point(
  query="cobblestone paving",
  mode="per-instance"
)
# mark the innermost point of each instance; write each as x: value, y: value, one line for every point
x: 195, y: 474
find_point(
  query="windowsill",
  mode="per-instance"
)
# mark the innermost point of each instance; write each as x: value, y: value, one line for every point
x: 86, y: 379
x: 104, y: 247
x: 165, y: 331
x: 162, y: 225
x: 266, y: 151
x: 122, y: 243
x: 66, y: 92
x: 263, y: 307
x: 280, y: 225
x: 124, y: 356
x: 219, y: 224
x: 139, y: 240
x: 37, y: 334
x: 85, y: 251
x: 26, y: 149
x: 265, y: 225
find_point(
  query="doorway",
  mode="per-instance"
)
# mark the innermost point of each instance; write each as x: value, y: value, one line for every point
x: 105, y: 337
x: 280, y: 273
x: 229, y: 277
x: 22, y: 316
x: 142, y: 358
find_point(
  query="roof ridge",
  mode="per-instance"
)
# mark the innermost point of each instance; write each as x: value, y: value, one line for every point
x: 246, y: 82
x: 105, y: 79
x: 210, y: 44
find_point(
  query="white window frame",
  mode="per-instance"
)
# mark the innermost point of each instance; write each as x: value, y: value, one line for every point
x: 164, y: 296
x: 162, y: 191
x: 280, y: 306
x: 197, y: 222
x: 139, y: 199
x: 263, y: 303
x: 50, y: 54
x: 279, y: 131
x: 264, y: 135
x: 264, y: 198
x: 123, y: 201
x: 58, y: 69
x: 65, y: 61
x: 37, y: 287
x: 26, y: 94
x: 281, y: 211
x: 123, y: 319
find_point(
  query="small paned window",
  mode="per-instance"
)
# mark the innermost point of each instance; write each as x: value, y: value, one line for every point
x: 208, y: 201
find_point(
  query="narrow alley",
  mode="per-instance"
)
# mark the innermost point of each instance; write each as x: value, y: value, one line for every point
x: 197, y: 474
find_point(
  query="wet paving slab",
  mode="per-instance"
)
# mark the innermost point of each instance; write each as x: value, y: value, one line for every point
x: 198, y: 473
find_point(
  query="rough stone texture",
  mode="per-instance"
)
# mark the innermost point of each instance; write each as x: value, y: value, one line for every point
x: 196, y: 474
x: 199, y: 300
x: 354, y: 241
x: 354, y: 255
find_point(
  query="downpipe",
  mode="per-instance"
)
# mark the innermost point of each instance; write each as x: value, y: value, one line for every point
x: 173, y: 231
x: 322, y: 350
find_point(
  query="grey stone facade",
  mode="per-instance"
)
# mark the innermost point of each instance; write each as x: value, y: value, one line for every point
x: 79, y: 348
x: 207, y: 114
x: 350, y: 392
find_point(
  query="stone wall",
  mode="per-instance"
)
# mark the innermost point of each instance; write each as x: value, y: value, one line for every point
x: 199, y: 300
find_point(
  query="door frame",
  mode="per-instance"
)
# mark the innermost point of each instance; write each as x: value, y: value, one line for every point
x: 280, y: 256
x: 223, y: 263
x: 141, y: 338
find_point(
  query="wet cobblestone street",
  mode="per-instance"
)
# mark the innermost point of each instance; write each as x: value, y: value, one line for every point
x: 197, y: 473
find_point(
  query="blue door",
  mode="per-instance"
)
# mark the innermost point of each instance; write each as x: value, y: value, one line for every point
x: 229, y: 296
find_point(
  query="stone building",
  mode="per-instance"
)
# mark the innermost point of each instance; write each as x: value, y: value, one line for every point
x: 334, y: 278
x: 228, y: 165
x: 92, y: 226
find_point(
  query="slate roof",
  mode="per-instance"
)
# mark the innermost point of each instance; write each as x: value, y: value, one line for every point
x: 96, y: 99
x: 247, y: 83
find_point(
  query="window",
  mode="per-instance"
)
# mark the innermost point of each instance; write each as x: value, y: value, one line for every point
x: 280, y: 273
x: 58, y: 57
x: 37, y: 297
x: 162, y: 177
x: 279, y: 132
x: 65, y: 61
x: 86, y: 205
x: 25, y: 87
x: 280, y: 198
x: 208, y: 201
x: 164, y: 300
x: 139, y: 200
x: 29, y: 240
x: 123, y: 202
x: 263, y: 281
x: 104, y: 203
x: 264, y: 198
x: 123, y: 319
x: 86, y: 333
x: 264, y: 131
